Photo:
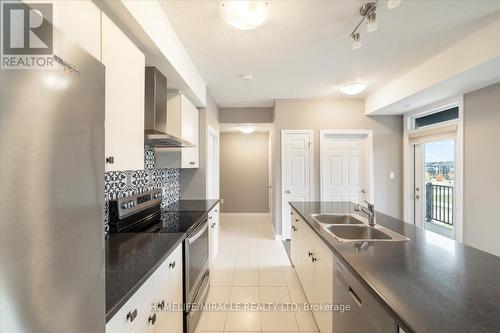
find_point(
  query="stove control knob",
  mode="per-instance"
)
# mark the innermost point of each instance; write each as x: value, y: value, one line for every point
x: 124, y: 205
x: 132, y: 203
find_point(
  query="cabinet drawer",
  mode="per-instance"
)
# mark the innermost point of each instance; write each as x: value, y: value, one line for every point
x: 172, y: 264
x: 169, y: 297
x: 135, y: 308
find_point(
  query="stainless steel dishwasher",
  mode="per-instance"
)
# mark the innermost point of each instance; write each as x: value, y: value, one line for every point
x: 366, y: 314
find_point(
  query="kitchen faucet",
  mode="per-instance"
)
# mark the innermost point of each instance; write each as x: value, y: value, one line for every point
x: 370, y: 211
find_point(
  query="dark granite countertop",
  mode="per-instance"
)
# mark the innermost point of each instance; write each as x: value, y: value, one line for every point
x: 192, y: 205
x: 131, y: 258
x: 430, y: 283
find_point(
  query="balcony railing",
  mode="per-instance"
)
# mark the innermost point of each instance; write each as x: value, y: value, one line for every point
x: 439, y: 203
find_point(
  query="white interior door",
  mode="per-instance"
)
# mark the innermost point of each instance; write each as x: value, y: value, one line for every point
x: 344, y: 169
x: 296, y: 172
x: 212, y: 165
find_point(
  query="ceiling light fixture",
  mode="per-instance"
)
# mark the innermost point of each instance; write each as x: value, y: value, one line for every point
x: 246, y: 77
x: 353, y: 88
x: 371, y: 22
x: 368, y: 12
x: 356, y: 44
x: 247, y: 129
x: 244, y: 14
x: 391, y: 4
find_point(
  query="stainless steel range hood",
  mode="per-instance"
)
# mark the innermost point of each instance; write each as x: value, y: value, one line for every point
x: 156, y: 131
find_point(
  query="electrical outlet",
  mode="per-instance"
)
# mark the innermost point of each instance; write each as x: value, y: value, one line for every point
x: 222, y: 201
x: 392, y: 175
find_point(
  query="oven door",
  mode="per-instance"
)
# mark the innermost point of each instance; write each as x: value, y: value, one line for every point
x: 196, y: 260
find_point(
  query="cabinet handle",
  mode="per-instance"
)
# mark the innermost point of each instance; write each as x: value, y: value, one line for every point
x: 313, y: 259
x: 294, y: 228
x: 355, y: 297
x: 161, y: 305
x: 131, y: 315
x: 216, y: 211
x: 212, y: 225
x: 192, y: 163
x: 291, y: 213
x: 110, y: 159
x: 172, y: 264
x: 309, y: 253
x: 210, y: 217
x: 152, y: 319
x: 296, y: 220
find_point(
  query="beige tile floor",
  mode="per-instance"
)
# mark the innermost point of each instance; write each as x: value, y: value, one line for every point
x: 252, y: 267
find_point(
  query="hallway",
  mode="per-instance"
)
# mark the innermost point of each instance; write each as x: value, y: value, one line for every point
x: 252, y: 268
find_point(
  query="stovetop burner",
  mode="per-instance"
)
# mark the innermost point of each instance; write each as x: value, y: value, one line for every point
x: 176, y: 222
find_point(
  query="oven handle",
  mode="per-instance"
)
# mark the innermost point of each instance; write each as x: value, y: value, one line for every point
x: 199, y: 233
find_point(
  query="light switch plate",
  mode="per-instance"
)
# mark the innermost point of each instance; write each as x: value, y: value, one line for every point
x: 392, y: 175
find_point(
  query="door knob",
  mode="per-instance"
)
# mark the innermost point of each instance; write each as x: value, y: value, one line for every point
x: 363, y: 191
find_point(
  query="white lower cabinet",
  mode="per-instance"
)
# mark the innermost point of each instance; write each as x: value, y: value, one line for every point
x: 313, y: 262
x: 157, y: 306
x: 213, y: 232
x: 169, y: 294
x: 144, y: 324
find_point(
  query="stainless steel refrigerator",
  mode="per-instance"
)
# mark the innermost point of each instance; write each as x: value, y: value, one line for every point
x: 52, y: 196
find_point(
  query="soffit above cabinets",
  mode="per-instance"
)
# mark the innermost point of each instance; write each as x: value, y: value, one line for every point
x: 145, y: 23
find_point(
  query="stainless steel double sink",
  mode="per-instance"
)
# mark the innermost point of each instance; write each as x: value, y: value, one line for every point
x: 354, y: 228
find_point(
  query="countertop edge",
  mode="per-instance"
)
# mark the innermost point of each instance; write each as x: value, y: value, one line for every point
x: 372, y: 290
x: 113, y: 310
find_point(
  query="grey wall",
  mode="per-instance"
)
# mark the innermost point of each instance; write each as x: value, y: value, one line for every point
x: 345, y: 114
x: 245, y: 115
x: 193, y: 182
x: 244, y: 172
x: 481, y: 168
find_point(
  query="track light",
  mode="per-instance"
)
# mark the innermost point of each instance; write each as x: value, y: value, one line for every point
x: 368, y: 12
x: 371, y: 21
x: 356, y: 44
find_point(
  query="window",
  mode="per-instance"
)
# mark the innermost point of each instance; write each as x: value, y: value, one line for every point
x: 436, y: 118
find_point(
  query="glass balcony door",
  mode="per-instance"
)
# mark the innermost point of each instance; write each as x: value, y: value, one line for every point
x: 434, y: 186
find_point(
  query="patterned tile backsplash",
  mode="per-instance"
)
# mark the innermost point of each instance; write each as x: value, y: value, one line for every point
x: 119, y: 184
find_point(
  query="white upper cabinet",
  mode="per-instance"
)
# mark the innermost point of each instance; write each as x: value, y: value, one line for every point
x: 80, y: 21
x: 190, y: 156
x: 125, y: 72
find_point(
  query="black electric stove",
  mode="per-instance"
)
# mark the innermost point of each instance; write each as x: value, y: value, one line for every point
x: 143, y: 213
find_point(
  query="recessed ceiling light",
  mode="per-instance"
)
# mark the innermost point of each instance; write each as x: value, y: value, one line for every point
x: 247, y: 129
x: 353, y: 88
x: 244, y: 14
x: 246, y: 76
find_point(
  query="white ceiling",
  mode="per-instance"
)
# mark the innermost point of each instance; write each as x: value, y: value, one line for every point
x: 303, y: 50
